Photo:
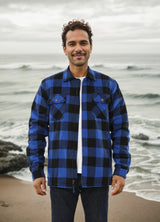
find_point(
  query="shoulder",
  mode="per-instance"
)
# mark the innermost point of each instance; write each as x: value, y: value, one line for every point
x: 53, y: 77
x: 51, y: 80
x: 103, y: 76
x: 48, y: 83
x: 106, y: 79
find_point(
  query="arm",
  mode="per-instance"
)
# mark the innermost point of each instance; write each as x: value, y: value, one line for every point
x: 38, y: 130
x: 120, y: 138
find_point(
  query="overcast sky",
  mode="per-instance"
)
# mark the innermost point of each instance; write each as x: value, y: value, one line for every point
x: 119, y: 26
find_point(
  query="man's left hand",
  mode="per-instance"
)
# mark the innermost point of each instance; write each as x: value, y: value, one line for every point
x: 118, y: 183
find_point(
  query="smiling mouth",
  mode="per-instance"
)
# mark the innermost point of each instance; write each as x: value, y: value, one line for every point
x: 78, y: 54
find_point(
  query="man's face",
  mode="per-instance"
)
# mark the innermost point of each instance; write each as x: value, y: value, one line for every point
x: 78, y: 47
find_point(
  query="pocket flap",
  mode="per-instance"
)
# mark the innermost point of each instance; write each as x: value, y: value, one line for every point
x: 58, y: 99
x: 99, y: 99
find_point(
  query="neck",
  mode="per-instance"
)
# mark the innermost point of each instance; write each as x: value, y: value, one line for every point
x: 79, y: 71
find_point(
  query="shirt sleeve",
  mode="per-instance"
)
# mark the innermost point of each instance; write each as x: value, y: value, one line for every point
x: 119, y: 127
x: 38, y: 131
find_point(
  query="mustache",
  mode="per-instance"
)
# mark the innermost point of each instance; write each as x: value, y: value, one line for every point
x: 78, y: 53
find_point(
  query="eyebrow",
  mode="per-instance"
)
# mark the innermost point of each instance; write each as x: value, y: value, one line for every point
x: 81, y: 41
x: 84, y: 41
x: 70, y: 42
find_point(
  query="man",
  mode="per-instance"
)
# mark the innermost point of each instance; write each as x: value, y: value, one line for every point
x: 83, y: 114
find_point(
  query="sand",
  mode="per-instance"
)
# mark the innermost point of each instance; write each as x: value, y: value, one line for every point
x: 20, y: 203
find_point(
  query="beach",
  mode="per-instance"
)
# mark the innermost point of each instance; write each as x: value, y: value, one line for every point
x: 19, y: 202
x: 138, y: 77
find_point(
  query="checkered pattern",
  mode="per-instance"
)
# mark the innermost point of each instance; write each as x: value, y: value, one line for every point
x: 105, y: 134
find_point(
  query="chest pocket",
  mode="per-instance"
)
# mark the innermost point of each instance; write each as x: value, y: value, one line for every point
x: 57, y: 107
x: 100, y: 107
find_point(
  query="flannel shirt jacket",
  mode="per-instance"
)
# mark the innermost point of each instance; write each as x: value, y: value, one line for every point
x: 105, y: 133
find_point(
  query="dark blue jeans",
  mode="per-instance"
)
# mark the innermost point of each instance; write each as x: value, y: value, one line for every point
x: 94, y: 200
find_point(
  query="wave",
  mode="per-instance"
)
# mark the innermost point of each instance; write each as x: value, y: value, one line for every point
x: 26, y: 67
x: 134, y: 67
x: 127, y: 67
x: 144, y: 96
x: 145, y: 75
x: 139, y: 120
x: 18, y: 93
x: 157, y: 103
x: 150, y: 145
x: 7, y: 83
x: 99, y: 66
x: 50, y: 66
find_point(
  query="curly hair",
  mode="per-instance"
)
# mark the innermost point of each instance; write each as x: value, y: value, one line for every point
x: 76, y: 24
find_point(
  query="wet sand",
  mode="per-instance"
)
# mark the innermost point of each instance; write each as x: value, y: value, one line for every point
x: 20, y: 203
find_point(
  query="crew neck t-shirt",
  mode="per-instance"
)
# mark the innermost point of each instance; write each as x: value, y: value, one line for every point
x: 79, y: 148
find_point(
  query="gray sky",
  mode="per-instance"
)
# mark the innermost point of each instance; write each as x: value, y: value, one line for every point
x: 119, y: 26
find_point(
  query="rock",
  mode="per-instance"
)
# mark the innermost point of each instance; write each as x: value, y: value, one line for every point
x: 3, y: 153
x: 8, y: 146
x: 3, y: 204
x: 11, y: 161
x: 141, y: 136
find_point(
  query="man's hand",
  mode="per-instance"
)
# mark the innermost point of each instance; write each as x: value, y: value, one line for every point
x: 118, y: 183
x: 40, y: 186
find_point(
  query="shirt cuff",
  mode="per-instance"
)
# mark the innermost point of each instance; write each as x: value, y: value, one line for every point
x: 119, y: 171
x: 38, y: 174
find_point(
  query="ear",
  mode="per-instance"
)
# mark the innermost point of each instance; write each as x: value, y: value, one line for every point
x: 91, y: 48
x: 64, y: 49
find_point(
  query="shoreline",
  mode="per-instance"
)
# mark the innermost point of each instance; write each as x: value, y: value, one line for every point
x: 29, y: 180
x: 19, y: 202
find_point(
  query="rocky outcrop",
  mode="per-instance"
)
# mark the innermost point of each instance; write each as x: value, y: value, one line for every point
x: 11, y: 161
x: 141, y: 136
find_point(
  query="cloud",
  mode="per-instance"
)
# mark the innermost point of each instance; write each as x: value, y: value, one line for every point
x: 138, y: 3
x: 111, y: 20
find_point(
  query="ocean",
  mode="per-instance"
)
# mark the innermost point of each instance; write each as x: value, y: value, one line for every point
x: 139, y: 80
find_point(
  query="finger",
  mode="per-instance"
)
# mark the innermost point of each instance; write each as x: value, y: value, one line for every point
x: 113, y: 183
x: 117, y: 189
x: 40, y: 191
x: 121, y: 185
x: 44, y: 185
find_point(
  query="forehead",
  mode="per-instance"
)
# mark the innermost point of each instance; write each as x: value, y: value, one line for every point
x: 77, y: 35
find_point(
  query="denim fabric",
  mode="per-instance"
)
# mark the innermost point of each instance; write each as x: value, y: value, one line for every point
x: 94, y: 201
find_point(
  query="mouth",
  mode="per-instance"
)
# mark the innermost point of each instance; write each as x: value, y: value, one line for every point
x: 78, y: 55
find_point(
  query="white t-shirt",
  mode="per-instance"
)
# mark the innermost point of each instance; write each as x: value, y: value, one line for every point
x: 79, y: 149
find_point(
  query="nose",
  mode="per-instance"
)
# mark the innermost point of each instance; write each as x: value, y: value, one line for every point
x: 78, y: 48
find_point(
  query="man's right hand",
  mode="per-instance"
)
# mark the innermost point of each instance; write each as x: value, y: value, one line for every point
x: 40, y: 185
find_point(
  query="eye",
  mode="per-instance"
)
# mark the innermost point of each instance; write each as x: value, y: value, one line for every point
x: 84, y: 43
x: 71, y: 43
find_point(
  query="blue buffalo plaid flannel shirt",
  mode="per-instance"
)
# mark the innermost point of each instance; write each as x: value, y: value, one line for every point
x: 105, y: 134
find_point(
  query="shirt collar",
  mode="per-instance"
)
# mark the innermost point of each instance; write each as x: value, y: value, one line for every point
x: 67, y: 75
